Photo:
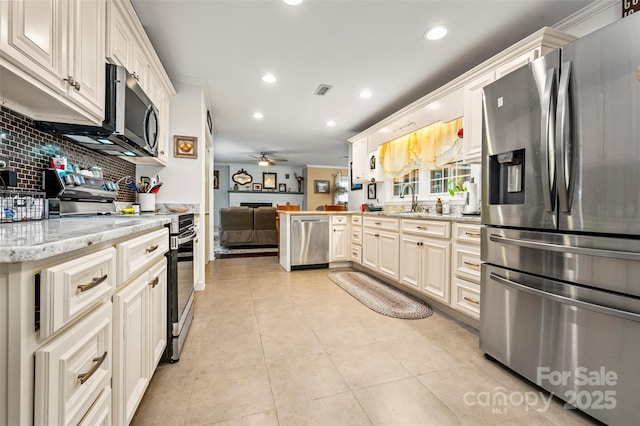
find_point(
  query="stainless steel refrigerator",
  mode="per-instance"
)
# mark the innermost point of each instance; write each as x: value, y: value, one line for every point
x: 560, y: 289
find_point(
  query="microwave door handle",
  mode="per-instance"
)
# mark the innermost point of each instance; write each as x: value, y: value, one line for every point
x: 563, y: 139
x: 145, y: 126
x: 547, y: 148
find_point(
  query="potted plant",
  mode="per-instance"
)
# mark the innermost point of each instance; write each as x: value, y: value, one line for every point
x: 456, y: 186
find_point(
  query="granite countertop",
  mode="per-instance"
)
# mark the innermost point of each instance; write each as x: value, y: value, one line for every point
x: 36, y: 240
x: 405, y: 215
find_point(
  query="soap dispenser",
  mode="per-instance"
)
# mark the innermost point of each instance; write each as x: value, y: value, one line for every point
x: 439, y: 206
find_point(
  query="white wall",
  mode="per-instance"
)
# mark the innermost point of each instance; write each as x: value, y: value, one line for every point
x: 184, y: 179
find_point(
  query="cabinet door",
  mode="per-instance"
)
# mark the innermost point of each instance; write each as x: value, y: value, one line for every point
x: 370, y: 248
x: 388, y: 256
x: 119, y: 37
x: 359, y: 157
x: 472, y: 141
x: 32, y: 35
x: 436, y: 258
x: 158, y: 310
x: 86, y: 55
x: 131, y: 340
x: 339, y: 239
x: 410, y: 260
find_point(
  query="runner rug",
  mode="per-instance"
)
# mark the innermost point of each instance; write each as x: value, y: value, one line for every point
x: 380, y: 297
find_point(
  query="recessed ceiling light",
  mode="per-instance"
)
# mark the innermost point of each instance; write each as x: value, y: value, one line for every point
x: 269, y: 78
x: 258, y: 115
x: 365, y: 94
x: 436, y: 32
x: 331, y: 123
x: 292, y: 2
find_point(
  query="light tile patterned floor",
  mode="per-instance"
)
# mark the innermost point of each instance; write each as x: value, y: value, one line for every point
x: 273, y: 348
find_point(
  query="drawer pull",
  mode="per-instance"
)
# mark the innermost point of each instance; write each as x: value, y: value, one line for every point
x: 378, y: 223
x: 473, y: 234
x: 477, y: 265
x: 424, y: 228
x: 92, y: 284
x: 86, y: 376
x: 152, y: 248
x: 376, y: 235
x: 470, y: 300
x: 155, y: 282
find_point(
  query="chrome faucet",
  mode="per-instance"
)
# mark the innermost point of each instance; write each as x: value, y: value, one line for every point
x: 414, y: 197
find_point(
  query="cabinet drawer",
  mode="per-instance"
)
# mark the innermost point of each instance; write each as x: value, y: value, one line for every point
x: 138, y: 253
x: 386, y: 223
x: 72, y: 370
x: 71, y: 288
x: 466, y: 262
x: 356, y: 254
x: 356, y: 219
x: 339, y: 219
x: 466, y: 297
x: 100, y: 412
x: 432, y: 228
x: 356, y: 235
x: 463, y: 232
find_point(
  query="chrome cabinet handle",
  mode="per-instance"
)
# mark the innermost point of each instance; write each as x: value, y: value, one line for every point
x: 96, y: 281
x: 471, y: 264
x: 152, y: 248
x: 86, y: 376
x: 470, y: 300
x: 473, y: 234
x: 72, y: 82
x: 155, y: 282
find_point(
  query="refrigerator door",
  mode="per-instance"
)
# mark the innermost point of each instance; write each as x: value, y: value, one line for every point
x: 518, y: 163
x: 598, y: 131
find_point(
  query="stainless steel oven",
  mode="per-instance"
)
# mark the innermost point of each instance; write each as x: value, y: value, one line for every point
x: 180, y: 283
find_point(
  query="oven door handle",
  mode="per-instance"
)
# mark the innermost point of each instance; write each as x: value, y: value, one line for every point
x: 566, y: 300
x: 189, y: 237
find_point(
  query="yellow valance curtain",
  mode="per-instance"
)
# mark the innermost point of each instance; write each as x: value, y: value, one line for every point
x: 429, y: 147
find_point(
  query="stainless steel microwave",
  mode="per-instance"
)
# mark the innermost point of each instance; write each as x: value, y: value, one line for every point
x: 130, y: 126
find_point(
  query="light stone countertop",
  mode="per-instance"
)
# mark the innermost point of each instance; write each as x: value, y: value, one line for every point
x: 403, y: 215
x: 36, y: 240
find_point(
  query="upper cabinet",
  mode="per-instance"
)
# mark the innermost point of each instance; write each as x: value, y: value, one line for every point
x: 462, y: 97
x: 52, y: 59
x: 359, y: 159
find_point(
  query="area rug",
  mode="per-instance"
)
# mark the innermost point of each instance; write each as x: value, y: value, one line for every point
x: 379, y: 297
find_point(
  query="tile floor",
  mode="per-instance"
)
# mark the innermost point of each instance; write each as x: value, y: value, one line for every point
x: 273, y: 348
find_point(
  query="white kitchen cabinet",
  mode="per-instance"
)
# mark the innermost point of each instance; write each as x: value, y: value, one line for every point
x: 465, y: 269
x: 472, y: 140
x: 339, y: 239
x: 58, y: 46
x: 158, y: 311
x: 359, y: 159
x: 375, y: 173
x: 131, y: 347
x: 356, y: 238
x: 123, y: 47
x: 380, y: 251
x: 73, y: 370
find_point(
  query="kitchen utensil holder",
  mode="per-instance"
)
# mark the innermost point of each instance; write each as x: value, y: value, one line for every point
x: 147, y: 201
x: 22, y: 206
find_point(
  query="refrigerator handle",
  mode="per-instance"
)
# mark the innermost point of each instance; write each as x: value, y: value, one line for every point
x: 537, y: 245
x: 565, y: 300
x: 563, y: 139
x: 547, y: 142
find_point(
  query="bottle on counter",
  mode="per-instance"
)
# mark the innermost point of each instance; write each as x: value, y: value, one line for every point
x: 439, y: 206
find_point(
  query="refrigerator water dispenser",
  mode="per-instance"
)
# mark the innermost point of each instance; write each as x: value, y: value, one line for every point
x: 506, y: 172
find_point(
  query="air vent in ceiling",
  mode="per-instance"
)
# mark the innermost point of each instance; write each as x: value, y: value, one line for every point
x: 322, y: 89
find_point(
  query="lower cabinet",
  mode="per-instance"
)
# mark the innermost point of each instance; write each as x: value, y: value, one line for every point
x: 465, y: 269
x: 339, y: 239
x: 424, y: 264
x: 380, y: 251
x: 138, y: 335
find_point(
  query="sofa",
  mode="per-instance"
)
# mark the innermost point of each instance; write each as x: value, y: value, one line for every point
x: 247, y: 226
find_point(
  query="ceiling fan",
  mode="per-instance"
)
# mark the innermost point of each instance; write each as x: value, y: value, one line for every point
x: 263, y: 160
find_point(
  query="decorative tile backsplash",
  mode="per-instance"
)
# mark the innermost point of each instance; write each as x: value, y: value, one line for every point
x: 29, y: 150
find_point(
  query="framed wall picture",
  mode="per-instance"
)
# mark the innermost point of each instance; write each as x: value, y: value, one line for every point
x: 282, y: 187
x: 321, y: 186
x: 185, y: 147
x: 269, y: 180
x: 371, y: 191
x: 256, y: 187
x: 216, y: 179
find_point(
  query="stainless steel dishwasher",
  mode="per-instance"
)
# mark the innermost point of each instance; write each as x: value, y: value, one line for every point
x: 309, y: 241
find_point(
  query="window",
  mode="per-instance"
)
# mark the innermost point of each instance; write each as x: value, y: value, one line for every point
x: 412, y: 177
x: 441, y: 180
